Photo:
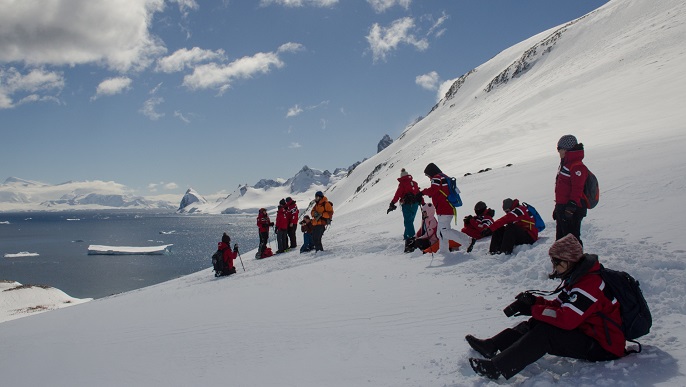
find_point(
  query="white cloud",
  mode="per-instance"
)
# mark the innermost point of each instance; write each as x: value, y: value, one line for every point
x: 114, y: 33
x: 294, y: 111
x: 435, y: 28
x: 112, y: 86
x: 150, y: 106
x: 295, y: 145
x: 185, y: 58
x: 180, y: 116
x: 171, y: 186
x: 428, y: 81
x: 221, y: 76
x: 31, y: 87
x: 185, y: 6
x: 382, y: 5
x: 290, y: 47
x: 300, y: 3
x: 384, y: 40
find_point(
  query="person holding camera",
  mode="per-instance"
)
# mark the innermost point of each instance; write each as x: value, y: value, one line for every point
x: 575, y: 324
x: 306, y: 228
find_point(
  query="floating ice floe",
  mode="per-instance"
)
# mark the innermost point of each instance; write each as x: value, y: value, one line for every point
x: 128, y: 250
x: 5, y: 222
x: 21, y: 254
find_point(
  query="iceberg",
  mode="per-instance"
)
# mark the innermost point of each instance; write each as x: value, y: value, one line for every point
x: 21, y: 254
x: 128, y: 250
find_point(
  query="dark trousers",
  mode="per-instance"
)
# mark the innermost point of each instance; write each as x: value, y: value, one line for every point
x: 507, y: 237
x: 409, y: 214
x: 568, y: 225
x: 291, y: 235
x: 530, y: 340
x: 317, y: 232
x: 282, y: 240
x: 264, y: 238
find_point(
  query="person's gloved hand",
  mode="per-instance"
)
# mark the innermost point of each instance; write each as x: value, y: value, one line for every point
x: 328, y: 221
x: 526, y: 298
x: 391, y: 207
x: 486, y: 232
x: 490, y: 212
x: 235, y: 247
x: 420, y: 198
x: 570, y: 209
x: 271, y: 224
x: 467, y: 219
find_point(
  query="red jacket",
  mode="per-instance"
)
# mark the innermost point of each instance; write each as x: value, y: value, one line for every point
x: 405, y: 186
x: 520, y: 217
x: 571, y: 177
x: 292, y: 212
x: 578, y: 304
x: 438, y: 192
x: 281, y: 218
x: 477, y: 224
x: 228, y: 254
x: 263, y: 222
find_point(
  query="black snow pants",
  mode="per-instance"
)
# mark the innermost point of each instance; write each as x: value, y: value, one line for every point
x: 507, y: 237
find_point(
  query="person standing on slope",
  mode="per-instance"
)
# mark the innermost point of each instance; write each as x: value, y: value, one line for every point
x: 292, y: 213
x: 438, y: 192
x: 281, y: 227
x: 322, y: 213
x: 263, y: 224
x: 570, y: 206
x: 407, y: 195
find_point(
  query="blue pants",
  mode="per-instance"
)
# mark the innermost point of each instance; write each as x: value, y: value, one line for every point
x: 308, y: 244
x: 409, y: 213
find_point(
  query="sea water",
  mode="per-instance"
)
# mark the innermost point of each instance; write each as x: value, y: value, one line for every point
x: 61, y: 240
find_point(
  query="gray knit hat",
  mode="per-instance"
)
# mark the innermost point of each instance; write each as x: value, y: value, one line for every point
x: 567, y: 142
x: 403, y: 172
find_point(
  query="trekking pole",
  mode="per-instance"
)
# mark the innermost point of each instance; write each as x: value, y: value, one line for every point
x: 241, y: 258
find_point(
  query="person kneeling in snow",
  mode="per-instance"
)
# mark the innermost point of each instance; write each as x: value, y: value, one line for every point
x: 306, y: 228
x: 516, y: 227
x: 227, y: 255
x: 426, y: 236
x: 573, y: 325
x: 475, y: 225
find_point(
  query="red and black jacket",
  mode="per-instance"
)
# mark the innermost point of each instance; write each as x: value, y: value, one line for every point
x: 438, y: 192
x: 571, y: 177
x: 519, y: 216
x: 407, y: 188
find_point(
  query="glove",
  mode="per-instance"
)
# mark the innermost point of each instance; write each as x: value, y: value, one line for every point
x: 527, y: 298
x: 467, y: 219
x: 271, y: 224
x: 554, y: 215
x: 486, y: 232
x: 235, y: 248
x: 471, y: 245
x: 391, y: 207
x: 328, y: 221
x: 420, y: 197
x: 570, y: 209
x: 491, y: 212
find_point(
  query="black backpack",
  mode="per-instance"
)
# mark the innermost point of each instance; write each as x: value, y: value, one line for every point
x: 636, y: 317
x: 218, y: 262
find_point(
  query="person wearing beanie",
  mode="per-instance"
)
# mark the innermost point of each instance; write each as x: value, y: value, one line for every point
x: 292, y: 213
x: 263, y: 225
x: 306, y: 228
x: 438, y: 192
x: 322, y: 214
x: 570, y: 204
x: 581, y: 322
x: 227, y: 256
x: 516, y: 227
x: 426, y: 235
x: 281, y: 228
x: 406, y: 194
x: 474, y: 225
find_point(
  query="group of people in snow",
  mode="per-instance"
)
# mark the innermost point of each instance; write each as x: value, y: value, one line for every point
x: 582, y: 322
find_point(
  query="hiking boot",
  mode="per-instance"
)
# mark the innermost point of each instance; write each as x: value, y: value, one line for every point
x: 485, y: 368
x: 232, y: 271
x: 484, y: 347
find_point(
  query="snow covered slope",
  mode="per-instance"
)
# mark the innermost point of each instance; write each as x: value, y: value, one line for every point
x: 364, y: 313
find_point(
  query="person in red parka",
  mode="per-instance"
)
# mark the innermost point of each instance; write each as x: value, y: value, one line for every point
x: 292, y: 213
x: 281, y: 227
x: 225, y: 247
x: 438, y: 192
x: 263, y: 224
x: 407, y: 195
x: 474, y: 225
x: 571, y: 325
x: 516, y: 227
x: 570, y: 205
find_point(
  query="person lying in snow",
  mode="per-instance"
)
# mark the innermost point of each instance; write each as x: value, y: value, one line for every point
x: 570, y: 325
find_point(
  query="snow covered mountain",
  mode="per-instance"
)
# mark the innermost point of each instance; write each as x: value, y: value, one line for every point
x: 24, y: 195
x: 364, y: 313
x: 191, y: 197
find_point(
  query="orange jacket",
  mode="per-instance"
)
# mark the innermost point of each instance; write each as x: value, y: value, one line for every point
x: 321, y: 211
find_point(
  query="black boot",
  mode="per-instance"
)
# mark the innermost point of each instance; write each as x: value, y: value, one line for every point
x: 485, y: 368
x: 409, y: 245
x: 485, y: 347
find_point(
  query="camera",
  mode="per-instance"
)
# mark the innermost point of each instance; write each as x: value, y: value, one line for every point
x: 521, y: 305
x: 513, y: 308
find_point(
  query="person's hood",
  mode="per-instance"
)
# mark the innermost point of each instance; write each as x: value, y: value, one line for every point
x: 430, y: 210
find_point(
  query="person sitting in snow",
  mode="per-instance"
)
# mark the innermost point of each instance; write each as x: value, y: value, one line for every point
x: 438, y: 192
x: 227, y: 255
x: 306, y: 228
x: 570, y: 205
x: 292, y: 213
x: 516, y: 227
x: 426, y: 235
x: 407, y: 195
x: 575, y: 324
x: 263, y: 224
x: 475, y: 224
x: 322, y: 213
x: 281, y: 227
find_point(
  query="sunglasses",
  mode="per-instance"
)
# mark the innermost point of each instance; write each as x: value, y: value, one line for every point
x: 555, y: 261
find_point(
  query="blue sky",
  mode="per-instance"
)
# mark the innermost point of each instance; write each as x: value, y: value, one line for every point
x: 165, y: 95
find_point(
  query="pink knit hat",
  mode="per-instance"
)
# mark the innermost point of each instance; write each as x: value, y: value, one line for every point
x: 567, y: 248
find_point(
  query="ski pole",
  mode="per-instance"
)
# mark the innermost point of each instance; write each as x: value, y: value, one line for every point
x: 241, y: 258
